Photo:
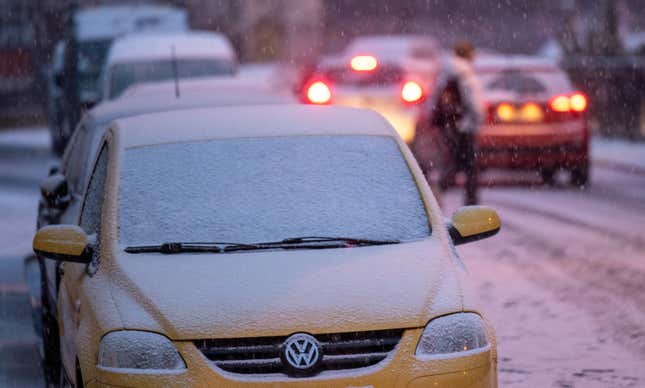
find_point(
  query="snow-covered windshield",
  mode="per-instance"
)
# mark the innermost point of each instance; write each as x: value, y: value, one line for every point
x: 525, y: 81
x: 270, y: 188
x: 515, y: 81
x: 124, y: 75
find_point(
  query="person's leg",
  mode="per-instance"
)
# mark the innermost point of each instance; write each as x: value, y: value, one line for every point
x: 450, y: 163
x: 450, y: 159
x: 470, y: 168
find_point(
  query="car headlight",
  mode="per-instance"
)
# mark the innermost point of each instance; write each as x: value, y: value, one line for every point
x: 130, y: 349
x: 453, y: 333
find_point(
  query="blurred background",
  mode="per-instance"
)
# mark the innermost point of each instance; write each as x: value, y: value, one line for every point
x: 600, y: 43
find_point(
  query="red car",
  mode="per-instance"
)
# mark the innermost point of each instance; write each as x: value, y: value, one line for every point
x: 536, y: 118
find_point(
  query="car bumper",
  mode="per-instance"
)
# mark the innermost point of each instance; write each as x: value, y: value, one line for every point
x: 533, y: 146
x: 402, y: 370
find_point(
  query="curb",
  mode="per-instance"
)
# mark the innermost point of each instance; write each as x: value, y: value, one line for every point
x: 13, y: 150
x: 620, y: 166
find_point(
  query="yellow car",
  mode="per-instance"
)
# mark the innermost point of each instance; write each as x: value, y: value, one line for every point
x: 266, y: 246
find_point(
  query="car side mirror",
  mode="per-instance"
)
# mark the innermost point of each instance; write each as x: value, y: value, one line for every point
x: 63, y: 242
x: 54, y: 168
x: 55, y: 191
x: 473, y: 223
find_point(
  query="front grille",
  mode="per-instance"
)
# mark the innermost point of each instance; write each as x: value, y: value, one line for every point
x: 261, y: 355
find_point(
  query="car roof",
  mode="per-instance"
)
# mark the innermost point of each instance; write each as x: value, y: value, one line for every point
x: 205, y: 85
x: 249, y: 121
x: 492, y: 62
x: 188, y: 44
x: 386, y: 46
x: 156, y: 100
x: 109, y: 21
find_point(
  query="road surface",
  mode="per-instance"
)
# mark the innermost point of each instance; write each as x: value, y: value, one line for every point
x: 563, y: 282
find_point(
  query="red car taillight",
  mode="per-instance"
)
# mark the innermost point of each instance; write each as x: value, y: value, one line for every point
x: 562, y: 107
x: 318, y: 92
x: 505, y: 112
x: 576, y: 102
x: 565, y: 107
x: 412, y: 92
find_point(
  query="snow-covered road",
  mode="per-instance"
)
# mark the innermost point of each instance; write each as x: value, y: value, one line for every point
x: 563, y: 282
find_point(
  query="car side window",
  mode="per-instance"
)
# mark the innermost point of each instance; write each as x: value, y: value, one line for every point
x: 73, y: 161
x: 93, y: 203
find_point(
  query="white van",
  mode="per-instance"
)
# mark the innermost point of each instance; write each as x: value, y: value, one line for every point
x: 140, y: 58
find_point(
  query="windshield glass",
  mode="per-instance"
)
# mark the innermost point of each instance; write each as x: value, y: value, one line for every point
x: 266, y: 189
x: 127, y: 74
x: 515, y: 81
x: 525, y: 81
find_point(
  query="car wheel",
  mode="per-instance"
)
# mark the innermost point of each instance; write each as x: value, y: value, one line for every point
x: 548, y: 175
x: 580, y: 176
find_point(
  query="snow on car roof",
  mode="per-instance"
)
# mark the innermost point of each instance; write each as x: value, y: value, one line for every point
x: 385, y: 46
x: 155, y: 100
x: 193, y: 44
x: 520, y: 62
x: 114, y: 20
x: 249, y: 121
x: 217, y: 85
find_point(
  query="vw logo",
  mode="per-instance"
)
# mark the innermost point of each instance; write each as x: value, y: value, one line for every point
x: 301, y: 353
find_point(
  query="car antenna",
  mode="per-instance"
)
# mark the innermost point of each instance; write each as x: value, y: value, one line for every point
x: 175, y: 71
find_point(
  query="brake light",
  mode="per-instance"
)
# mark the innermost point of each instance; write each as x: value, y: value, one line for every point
x: 318, y: 93
x: 560, y: 103
x: 578, y: 102
x: 411, y: 92
x: 506, y: 112
x: 363, y: 63
x: 526, y: 113
x: 531, y: 112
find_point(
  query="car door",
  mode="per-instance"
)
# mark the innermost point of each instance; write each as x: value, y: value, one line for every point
x: 74, y: 168
x: 74, y: 274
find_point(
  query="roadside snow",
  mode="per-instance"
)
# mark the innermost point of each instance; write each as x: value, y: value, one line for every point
x: 31, y: 137
x: 19, y: 210
x: 618, y: 151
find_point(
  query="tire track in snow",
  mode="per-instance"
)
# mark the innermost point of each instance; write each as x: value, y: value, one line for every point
x: 613, y: 295
x: 636, y: 241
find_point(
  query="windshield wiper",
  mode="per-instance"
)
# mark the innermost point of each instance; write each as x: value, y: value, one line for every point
x: 310, y: 242
x: 184, y: 247
x: 306, y: 242
x: 347, y: 240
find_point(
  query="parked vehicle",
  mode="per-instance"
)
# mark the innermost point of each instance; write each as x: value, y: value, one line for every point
x: 78, y: 59
x: 389, y: 74
x: 159, y: 290
x: 157, y: 57
x: 536, y: 118
x: 62, y: 192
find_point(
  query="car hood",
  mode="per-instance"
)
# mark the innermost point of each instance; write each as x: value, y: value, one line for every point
x: 276, y: 293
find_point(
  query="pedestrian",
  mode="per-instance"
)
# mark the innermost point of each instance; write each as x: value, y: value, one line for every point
x: 457, y: 111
